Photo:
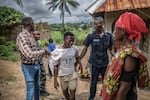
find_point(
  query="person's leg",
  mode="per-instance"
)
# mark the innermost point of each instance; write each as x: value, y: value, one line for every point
x: 102, y: 71
x: 43, y: 92
x: 42, y: 78
x: 93, y: 83
x: 50, y: 67
x: 72, y: 88
x: 36, y: 83
x: 72, y: 94
x: 66, y: 94
x: 64, y: 87
x: 28, y: 71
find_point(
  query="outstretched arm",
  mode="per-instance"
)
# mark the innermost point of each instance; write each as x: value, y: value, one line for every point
x: 83, y: 52
x: 56, y: 84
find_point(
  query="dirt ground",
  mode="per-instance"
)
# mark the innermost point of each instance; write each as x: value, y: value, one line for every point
x: 12, y: 85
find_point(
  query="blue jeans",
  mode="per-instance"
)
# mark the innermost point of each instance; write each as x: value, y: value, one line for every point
x: 94, y: 78
x: 31, y: 74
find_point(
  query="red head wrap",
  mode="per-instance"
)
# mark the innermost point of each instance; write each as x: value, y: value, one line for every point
x: 132, y: 24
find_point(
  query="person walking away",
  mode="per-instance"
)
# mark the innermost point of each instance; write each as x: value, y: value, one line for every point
x: 29, y: 55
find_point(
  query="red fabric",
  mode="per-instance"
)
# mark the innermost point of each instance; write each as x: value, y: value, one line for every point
x: 114, y: 70
x: 132, y: 24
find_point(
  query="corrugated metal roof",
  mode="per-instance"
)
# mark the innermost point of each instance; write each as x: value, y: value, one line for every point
x: 116, y: 5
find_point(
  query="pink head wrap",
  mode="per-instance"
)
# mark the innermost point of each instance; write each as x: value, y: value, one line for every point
x: 132, y: 24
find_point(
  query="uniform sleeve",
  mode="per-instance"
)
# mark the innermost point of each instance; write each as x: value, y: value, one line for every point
x: 88, y: 40
x: 111, y: 41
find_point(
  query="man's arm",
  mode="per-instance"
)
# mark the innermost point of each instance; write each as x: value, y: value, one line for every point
x: 83, y: 52
x: 56, y: 84
x: 78, y: 61
x: 111, y: 49
x: 125, y: 86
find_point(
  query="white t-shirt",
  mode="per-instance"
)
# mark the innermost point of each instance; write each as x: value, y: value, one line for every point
x: 65, y: 59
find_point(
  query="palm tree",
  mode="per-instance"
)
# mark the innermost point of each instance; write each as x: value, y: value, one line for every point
x: 19, y: 2
x: 62, y: 5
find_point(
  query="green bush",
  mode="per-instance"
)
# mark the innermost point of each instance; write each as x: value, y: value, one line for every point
x: 43, y: 43
x: 79, y: 36
x: 8, y: 50
x: 57, y: 37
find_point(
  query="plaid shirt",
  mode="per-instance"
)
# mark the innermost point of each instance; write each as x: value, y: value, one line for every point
x: 26, y: 46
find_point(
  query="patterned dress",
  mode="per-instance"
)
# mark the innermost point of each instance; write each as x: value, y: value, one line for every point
x: 114, y: 71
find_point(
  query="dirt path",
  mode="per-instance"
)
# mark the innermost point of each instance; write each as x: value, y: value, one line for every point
x: 12, y: 86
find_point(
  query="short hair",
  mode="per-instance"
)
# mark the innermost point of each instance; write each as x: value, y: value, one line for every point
x: 99, y: 18
x: 36, y: 32
x: 50, y: 40
x: 68, y: 34
x: 27, y: 21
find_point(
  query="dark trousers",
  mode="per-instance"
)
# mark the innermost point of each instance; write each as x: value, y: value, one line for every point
x: 94, y: 78
x: 42, y: 78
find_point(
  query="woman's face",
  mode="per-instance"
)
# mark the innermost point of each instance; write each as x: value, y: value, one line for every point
x: 117, y: 33
x: 68, y: 41
x: 118, y: 36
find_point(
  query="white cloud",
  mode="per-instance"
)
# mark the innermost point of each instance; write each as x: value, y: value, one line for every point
x: 39, y: 11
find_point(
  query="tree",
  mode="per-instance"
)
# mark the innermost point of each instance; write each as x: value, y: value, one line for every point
x: 19, y: 2
x: 9, y: 17
x: 63, y: 6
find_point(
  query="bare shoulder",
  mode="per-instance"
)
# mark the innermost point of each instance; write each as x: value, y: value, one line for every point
x: 129, y: 63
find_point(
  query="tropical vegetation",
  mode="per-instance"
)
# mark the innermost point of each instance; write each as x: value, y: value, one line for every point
x: 9, y: 16
x: 63, y: 6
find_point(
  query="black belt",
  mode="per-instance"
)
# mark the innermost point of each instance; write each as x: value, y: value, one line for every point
x: 30, y: 63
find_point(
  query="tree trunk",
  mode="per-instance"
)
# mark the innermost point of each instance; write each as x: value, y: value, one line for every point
x: 63, y: 22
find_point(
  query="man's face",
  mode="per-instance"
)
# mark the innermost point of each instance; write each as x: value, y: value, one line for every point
x: 98, y: 25
x: 36, y: 35
x: 68, y: 41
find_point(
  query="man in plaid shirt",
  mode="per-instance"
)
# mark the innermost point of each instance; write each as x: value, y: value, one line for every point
x: 29, y: 53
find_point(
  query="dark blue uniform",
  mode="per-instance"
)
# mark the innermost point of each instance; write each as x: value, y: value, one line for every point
x: 98, y: 57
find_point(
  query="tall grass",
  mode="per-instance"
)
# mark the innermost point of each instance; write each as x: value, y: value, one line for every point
x: 8, y: 50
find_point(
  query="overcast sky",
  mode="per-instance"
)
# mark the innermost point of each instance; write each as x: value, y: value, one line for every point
x: 38, y: 10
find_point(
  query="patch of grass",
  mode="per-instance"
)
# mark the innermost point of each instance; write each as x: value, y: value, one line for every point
x: 11, y: 79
